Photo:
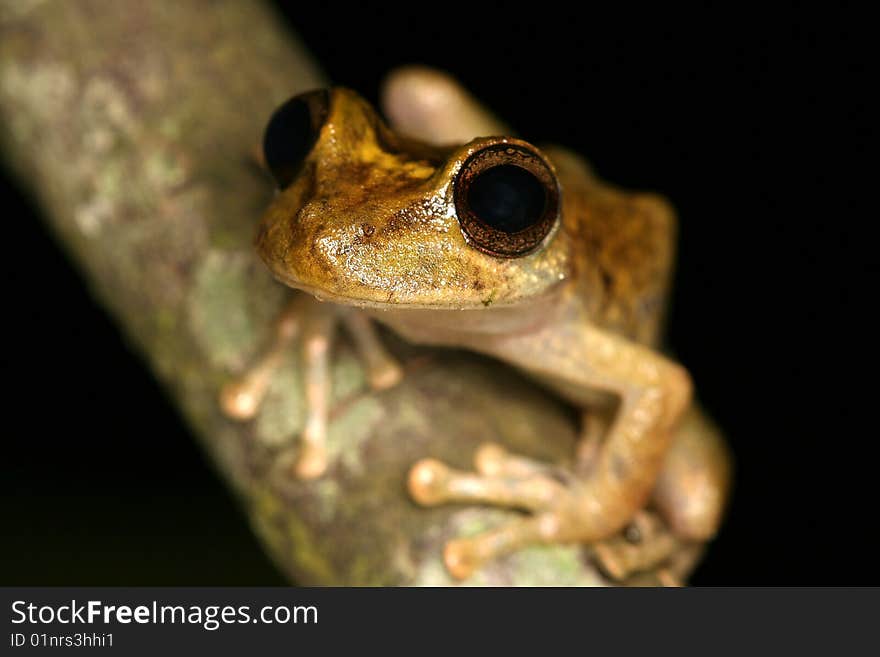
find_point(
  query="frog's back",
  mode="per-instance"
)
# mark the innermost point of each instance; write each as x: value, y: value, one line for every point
x: 625, y: 250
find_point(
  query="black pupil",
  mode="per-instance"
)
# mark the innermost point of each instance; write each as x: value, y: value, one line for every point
x: 290, y: 135
x: 507, y: 198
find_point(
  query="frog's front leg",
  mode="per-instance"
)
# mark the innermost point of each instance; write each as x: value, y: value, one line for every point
x: 514, y: 481
x: 501, y: 480
x: 593, y: 503
x: 314, y: 324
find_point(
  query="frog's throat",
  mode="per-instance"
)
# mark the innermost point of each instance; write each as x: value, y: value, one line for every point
x: 371, y: 304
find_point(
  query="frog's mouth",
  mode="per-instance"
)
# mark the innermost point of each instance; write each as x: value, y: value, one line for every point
x: 443, y: 323
x: 392, y: 301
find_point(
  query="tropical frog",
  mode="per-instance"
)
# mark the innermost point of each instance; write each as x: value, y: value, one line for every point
x: 452, y: 232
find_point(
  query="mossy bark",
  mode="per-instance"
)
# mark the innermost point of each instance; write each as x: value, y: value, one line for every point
x: 133, y: 124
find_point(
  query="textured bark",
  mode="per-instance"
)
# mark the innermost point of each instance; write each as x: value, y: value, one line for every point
x: 132, y: 123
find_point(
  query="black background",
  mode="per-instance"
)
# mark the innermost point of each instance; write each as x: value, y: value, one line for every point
x: 752, y: 123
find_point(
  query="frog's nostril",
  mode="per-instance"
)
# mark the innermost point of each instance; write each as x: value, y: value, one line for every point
x: 292, y: 132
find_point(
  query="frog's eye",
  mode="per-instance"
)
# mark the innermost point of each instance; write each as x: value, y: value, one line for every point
x: 507, y: 199
x: 292, y: 132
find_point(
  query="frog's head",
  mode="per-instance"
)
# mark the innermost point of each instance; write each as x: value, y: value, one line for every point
x: 367, y: 217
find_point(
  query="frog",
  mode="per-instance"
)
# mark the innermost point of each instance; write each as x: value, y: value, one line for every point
x: 450, y: 231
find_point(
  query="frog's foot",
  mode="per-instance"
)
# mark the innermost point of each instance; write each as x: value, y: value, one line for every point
x: 645, y: 544
x: 558, y: 510
x: 314, y: 325
x: 241, y: 398
x: 502, y: 479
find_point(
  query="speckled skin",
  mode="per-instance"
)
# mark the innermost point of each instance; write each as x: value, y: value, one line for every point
x: 371, y: 222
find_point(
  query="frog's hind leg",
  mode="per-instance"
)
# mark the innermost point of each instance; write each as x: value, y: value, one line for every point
x: 694, y: 485
x: 581, y: 507
x: 645, y: 544
x: 314, y: 325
